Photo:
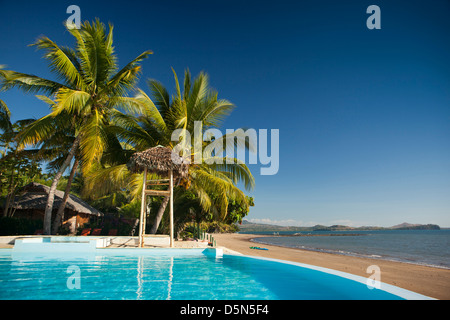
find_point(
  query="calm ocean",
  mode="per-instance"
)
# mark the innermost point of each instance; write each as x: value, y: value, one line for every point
x: 425, y: 247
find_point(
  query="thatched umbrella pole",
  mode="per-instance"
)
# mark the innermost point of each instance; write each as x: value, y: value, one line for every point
x: 171, y: 207
x: 143, y: 207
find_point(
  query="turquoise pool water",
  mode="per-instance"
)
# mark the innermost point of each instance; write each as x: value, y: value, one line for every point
x: 168, y: 274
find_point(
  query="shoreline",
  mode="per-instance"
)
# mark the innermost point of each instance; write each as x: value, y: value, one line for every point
x: 430, y: 281
x: 349, y: 254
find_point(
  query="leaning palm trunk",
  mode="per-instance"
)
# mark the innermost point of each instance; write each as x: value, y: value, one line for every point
x: 60, y: 214
x: 51, y: 193
x: 8, y: 204
x: 159, y: 215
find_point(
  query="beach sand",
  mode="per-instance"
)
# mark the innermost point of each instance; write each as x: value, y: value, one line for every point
x: 431, y: 282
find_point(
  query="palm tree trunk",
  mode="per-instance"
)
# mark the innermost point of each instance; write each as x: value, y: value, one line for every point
x: 159, y: 215
x: 60, y: 214
x: 7, y: 204
x: 133, y: 230
x: 51, y: 193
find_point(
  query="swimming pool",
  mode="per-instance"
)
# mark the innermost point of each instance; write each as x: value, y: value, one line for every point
x: 174, y: 274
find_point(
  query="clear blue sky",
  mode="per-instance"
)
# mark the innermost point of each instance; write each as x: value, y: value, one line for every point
x: 364, y: 115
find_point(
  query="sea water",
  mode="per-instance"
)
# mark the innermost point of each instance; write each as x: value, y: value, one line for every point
x: 424, y: 247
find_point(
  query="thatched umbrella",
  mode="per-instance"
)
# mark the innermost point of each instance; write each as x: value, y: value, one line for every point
x: 162, y: 161
x: 159, y: 160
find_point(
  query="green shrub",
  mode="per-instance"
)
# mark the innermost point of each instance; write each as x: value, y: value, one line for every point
x: 106, y: 224
x: 10, y: 226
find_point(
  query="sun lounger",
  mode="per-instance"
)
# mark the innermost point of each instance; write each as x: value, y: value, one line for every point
x: 86, y: 232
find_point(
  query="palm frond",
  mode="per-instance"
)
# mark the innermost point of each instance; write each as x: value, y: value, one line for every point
x: 215, y: 111
x: 93, y: 140
x: 129, y: 130
x: 83, y: 57
x: 4, y: 109
x: 187, y: 84
x: 149, y: 110
x: 99, y: 51
x: 196, y: 97
x: 245, y: 139
x: 37, y: 131
x: 217, y: 183
x: 28, y: 83
x: 177, y: 84
x: 212, y: 183
x: 72, y: 101
x: 5, y: 117
x: 160, y: 96
x: 127, y: 77
x: 234, y: 168
x: 62, y: 61
x: 100, y: 181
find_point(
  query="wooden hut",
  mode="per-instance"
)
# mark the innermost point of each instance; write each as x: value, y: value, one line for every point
x: 33, y: 200
x: 163, y: 162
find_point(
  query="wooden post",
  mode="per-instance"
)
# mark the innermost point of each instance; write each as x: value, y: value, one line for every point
x: 143, y: 205
x: 171, y: 208
x: 144, y: 217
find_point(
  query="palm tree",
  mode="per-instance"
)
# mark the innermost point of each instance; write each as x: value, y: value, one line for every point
x: 54, y: 150
x: 91, y: 89
x: 13, y: 159
x: 197, y: 103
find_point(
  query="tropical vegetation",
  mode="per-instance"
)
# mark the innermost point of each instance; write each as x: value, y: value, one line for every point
x: 99, y: 117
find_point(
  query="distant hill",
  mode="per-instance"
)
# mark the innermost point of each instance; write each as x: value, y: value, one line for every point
x: 409, y: 226
x: 261, y: 227
x: 247, y: 226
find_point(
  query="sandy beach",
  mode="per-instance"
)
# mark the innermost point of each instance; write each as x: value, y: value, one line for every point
x: 432, y: 282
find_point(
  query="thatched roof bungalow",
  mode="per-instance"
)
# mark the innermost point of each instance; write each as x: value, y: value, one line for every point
x: 33, y: 199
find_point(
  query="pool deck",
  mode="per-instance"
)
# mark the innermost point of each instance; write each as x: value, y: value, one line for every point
x: 151, y: 241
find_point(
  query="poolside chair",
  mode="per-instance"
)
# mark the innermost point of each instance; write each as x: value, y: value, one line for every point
x: 112, y: 232
x: 96, y: 232
x: 86, y: 232
x: 39, y: 232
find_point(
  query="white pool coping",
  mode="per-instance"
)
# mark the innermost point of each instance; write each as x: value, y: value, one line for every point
x: 102, y: 241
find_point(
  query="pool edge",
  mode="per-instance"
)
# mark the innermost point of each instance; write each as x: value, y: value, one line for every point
x: 400, y: 292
